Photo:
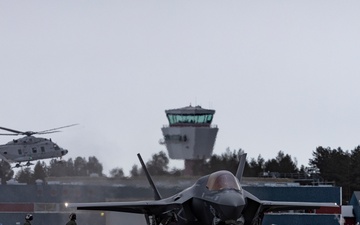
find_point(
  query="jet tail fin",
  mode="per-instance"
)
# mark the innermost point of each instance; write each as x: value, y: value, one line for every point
x: 240, y: 169
x: 157, y: 195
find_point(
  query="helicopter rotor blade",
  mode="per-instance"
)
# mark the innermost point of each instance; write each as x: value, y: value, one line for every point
x: 54, y: 129
x: 10, y: 134
x: 11, y: 130
x: 29, y: 133
x: 48, y: 132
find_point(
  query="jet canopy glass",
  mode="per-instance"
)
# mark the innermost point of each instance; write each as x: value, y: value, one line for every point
x: 222, y: 180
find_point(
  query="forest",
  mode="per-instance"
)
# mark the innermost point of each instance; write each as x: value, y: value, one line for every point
x: 337, y: 166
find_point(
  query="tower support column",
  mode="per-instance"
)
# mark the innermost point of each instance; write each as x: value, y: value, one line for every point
x: 190, y: 165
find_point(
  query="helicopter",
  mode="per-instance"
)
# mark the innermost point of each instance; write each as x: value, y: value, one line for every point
x: 30, y: 148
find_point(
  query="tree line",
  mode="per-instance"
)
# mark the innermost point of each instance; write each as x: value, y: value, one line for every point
x: 342, y: 167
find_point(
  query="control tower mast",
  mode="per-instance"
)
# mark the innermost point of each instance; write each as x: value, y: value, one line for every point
x: 190, y: 135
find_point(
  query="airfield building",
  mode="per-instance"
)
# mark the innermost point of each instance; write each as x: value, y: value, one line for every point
x: 190, y: 136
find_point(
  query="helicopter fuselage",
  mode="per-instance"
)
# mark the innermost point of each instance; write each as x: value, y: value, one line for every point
x: 30, y: 148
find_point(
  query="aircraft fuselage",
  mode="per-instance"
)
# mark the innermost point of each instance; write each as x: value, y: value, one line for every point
x: 30, y: 148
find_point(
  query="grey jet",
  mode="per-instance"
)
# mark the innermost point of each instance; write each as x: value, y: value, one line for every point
x: 215, y: 199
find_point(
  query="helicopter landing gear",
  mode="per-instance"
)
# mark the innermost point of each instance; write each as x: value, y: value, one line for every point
x: 59, y: 160
x: 18, y: 165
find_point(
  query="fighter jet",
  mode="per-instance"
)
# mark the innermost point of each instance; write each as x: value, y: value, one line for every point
x: 215, y: 199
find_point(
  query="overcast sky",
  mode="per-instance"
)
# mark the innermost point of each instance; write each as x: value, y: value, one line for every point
x: 281, y: 75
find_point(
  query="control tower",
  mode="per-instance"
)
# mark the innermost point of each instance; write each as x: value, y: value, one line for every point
x: 190, y: 135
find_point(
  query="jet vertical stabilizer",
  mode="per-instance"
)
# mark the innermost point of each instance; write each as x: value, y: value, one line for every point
x: 157, y: 195
x: 241, y: 166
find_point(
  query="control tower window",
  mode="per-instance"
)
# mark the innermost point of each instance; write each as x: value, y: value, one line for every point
x: 192, y: 119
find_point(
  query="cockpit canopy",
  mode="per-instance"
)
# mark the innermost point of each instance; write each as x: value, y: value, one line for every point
x: 222, y: 180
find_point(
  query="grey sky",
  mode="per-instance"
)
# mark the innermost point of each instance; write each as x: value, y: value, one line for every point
x: 281, y: 75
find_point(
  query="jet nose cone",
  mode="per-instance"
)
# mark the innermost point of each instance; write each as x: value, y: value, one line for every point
x: 231, y: 198
x: 231, y: 204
